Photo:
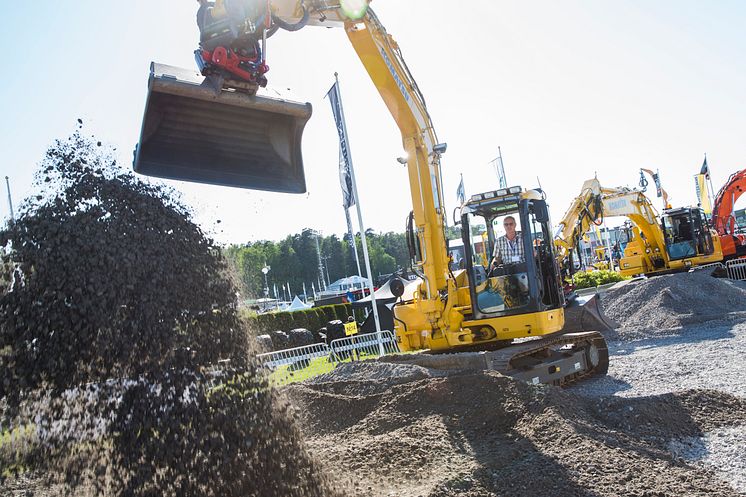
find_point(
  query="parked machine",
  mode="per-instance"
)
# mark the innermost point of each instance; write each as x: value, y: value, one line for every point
x: 676, y: 241
x: 723, y: 218
x: 202, y: 127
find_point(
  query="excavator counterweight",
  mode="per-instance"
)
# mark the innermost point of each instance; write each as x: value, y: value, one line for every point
x: 193, y: 132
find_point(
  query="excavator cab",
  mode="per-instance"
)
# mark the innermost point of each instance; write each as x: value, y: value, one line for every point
x: 524, y: 278
x: 687, y: 233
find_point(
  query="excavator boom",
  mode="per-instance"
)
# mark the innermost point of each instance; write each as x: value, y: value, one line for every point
x: 723, y: 217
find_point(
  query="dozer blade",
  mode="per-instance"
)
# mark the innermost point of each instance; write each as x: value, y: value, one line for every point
x: 585, y: 314
x: 193, y: 132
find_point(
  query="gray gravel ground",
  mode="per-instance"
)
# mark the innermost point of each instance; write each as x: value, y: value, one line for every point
x: 708, y: 355
x: 722, y: 449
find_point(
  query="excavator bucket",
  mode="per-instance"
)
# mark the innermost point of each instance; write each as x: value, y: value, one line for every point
x: 585, y: 314
x: 192, y: 131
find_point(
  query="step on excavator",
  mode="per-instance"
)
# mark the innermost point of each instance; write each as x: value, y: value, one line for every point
x: 677, y: 241
x: 504, y: 310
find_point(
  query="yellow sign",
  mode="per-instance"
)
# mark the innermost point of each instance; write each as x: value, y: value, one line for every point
x: 351, y: 328
x: 704, y: 197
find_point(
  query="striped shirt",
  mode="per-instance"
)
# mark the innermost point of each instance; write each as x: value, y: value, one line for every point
x: 509, y: 251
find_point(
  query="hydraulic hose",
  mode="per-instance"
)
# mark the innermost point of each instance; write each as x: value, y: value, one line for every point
x: 292, y: 27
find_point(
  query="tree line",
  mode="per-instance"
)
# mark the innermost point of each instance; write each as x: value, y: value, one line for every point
x: 295, y: 260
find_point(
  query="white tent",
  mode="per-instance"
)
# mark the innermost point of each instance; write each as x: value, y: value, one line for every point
x: 297, y: 305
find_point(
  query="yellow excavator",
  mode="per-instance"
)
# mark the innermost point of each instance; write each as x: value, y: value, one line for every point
x: 219, y: 126
x: 676, y: 241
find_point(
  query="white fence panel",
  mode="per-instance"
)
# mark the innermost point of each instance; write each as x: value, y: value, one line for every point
x: 298, y: 363
x: 358, y: 347
x: 736, y: 269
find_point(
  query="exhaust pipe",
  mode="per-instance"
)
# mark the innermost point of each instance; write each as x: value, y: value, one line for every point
x: 191, y: 132
x: 585, y: 314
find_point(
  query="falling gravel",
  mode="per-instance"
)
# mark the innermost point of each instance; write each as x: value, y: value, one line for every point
x: 124, y: 367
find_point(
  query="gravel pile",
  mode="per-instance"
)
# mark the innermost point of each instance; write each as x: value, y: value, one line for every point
x: 672, y: 301
x: 482, y: 434
x: 122, y: 349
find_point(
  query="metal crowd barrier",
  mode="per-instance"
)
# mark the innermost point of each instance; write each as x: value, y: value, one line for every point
x: 300, y: 363
x: 359, y: 347
x: 296, y: 364
x: 736, y: 269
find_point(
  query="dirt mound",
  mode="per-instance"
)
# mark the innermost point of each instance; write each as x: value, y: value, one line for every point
x: 122, y: 357
x: 671, y: 301
x: 482, y: 434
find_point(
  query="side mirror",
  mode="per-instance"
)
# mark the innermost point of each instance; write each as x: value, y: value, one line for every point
x: 541, y: 211
x: 456, y: 221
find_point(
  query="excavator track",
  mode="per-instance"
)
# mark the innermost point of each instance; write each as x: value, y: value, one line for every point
x: 557, y: 360
x: 560, y: 359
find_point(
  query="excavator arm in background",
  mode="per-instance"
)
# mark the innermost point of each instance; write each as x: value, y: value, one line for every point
x: 656, y: 180
x: 724, y: 219
x: 658, y: 243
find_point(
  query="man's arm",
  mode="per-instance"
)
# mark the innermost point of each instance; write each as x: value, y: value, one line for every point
x: 497, y: 258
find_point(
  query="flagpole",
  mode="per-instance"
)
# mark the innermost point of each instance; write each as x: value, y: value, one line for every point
x: 321, y: 267
x: 503, y: 179
x: 353, y: 244
x: 708, y: 176
x: 10, y: 200
x: 360, y: 220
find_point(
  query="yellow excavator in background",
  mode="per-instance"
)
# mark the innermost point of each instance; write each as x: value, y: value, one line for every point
x: 676, y: 241
x: 219, y: 127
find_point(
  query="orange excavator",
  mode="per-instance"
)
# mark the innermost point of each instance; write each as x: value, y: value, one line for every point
x: 724, y: 219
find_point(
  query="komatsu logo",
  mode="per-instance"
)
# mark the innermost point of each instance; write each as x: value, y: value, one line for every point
x: 397, y: 79
x: 617, y: 205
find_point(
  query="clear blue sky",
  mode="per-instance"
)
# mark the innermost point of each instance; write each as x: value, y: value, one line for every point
x: 566, y: 88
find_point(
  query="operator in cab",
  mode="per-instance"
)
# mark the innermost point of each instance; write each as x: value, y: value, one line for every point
x: 509, y: 247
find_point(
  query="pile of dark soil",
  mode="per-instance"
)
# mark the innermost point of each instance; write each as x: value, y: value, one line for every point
x: 672, y: 301
x: 482, y: 434
x: 121, y: 350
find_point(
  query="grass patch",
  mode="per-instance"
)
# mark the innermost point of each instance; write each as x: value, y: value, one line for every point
x: 309, y: 368
x: 15, y: 447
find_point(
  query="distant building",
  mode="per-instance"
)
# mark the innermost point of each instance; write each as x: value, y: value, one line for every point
x: 740, y: 218
x: 341, y: 287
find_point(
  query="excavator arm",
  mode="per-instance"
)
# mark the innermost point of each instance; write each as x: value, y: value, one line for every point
x: 722, y: 212
x: 596, y: 202
x: 586, y: 210
x: 723, y: 218
x: 676, y: 241
x: 250, y: 138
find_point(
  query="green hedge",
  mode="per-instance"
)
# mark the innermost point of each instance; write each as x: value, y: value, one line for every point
x: 311, y: 319
x: 596, y: 278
